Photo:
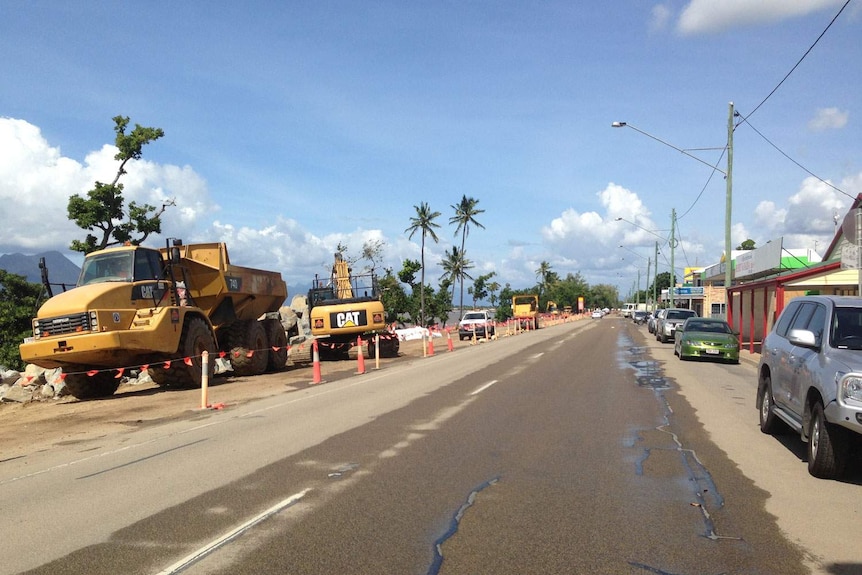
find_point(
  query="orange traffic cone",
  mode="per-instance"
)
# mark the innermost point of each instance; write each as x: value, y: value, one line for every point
x: 316, y: 362
x: 449, y: 340
x: 430, y: 343
x: 360, y: 357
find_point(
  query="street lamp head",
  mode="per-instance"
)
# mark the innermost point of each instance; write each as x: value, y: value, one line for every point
x: 618, y: 125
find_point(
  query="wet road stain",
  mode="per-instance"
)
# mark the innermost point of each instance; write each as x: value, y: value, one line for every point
x: 649, y: 374
x: 434, y: 569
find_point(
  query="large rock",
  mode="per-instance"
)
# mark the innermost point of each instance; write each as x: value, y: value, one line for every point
x: 20, y: 394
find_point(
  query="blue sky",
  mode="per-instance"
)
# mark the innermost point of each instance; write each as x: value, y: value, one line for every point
x: 292, y: 127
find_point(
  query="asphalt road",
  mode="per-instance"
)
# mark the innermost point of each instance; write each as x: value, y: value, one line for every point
x: 582, y: 448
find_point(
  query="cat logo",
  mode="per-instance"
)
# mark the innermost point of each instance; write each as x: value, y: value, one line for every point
x: 347, y: 319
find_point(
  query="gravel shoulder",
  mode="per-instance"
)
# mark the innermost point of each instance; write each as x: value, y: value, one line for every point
x: 41, y: 425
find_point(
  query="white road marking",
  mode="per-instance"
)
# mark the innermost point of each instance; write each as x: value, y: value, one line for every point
x: 227, y: 537
x: 484, y: 387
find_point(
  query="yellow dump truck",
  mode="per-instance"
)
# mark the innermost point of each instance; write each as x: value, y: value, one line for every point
x: 525, y: 309
x: 159, y: 309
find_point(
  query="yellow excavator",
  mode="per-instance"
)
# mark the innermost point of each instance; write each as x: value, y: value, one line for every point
x: 345, y: 312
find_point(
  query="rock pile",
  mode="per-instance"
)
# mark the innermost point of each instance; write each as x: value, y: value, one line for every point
x: 39, y: 384
x: 34, y: 384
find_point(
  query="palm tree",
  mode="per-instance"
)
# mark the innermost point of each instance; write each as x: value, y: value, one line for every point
x: 542, y: 274
x: 465, y: 213
x: 424, y: 220
x: 455, y: 266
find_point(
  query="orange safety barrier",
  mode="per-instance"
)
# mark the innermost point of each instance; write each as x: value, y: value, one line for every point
x: 316, y: 362
x: 360, y: 357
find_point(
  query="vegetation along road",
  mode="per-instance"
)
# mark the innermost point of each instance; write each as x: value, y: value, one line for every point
x: 580, y: 448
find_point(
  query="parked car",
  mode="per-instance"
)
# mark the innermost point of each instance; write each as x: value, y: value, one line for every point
x: 476, y: 323
x: 672, y: 317
x: 703, y: 337
x: 810, y: 378
x: 597, y: 314
x: 654, y: 319
x: 640, y: 317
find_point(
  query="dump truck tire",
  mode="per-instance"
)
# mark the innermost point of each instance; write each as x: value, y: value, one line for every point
x: 196, y: 339
x: 244, y: 337
x: 277, y: 339
x: 83, y: 386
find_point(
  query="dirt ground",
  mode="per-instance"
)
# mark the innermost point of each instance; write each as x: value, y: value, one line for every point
x: 39, y: 425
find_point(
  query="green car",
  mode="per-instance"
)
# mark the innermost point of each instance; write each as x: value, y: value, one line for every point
x: 702, y: 337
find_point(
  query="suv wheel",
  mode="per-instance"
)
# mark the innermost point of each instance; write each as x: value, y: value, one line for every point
x: 826, y: 446
x: 769, y: 422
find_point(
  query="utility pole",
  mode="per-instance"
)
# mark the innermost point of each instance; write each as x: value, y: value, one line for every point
x: 672, y: 246
x: 648, y: 267
x: 655, y: 281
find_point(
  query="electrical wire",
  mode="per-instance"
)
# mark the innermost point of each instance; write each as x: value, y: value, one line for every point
x: 803, y: 168
x: 702, y: 190
x: 775, y: 89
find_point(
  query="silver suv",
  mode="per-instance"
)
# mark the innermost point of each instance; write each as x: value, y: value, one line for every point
x: 810, y: 378
x: 476, y: 323
x: 666, y: 325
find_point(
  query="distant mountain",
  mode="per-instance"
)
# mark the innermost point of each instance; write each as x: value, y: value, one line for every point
x: 61, y: 270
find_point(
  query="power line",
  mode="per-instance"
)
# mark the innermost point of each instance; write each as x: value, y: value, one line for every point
x: 775, y: 89
x: 702, y: 190
x: 806, y: 170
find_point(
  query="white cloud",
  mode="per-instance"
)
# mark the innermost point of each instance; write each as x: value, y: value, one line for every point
x: 590, y: 241
x: 660, y: 15
x: 36, y: 181
x: 828, y: 119
x: 709, y: 16
x: 808, y: 217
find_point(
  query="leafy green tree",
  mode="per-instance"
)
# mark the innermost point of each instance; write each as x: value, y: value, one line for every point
x: 104, y: 209
x: 566, y: 291
x: 441, y: 303
x: 395, y: 299
x: 424, y: 223
x: 19, y: 301
x: 746, y: 245
x: 662, y: 282
x: 493, y: 288
x: 465, y: 215
x: 479, y: 290
x: 604, y: 296
x: 411, y: 306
